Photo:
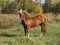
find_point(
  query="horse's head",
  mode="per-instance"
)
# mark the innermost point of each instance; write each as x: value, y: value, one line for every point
x: 20, y: 11
x: 23, y: 15
x: 20, y: 14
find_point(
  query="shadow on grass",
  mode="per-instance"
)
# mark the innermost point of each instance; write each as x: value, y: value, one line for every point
x: 7, y: 35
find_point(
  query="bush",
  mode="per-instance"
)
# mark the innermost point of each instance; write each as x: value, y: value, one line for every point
x: 52, y: 8
x: 9, y: 9
x: 14, y: 6
x: 8, y: 20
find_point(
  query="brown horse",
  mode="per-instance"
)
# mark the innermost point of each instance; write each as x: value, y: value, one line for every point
x: 32, y: 21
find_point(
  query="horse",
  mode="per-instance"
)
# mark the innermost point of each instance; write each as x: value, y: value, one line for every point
x: 32, y: 21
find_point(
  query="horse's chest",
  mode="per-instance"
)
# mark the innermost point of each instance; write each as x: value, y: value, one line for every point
x: 28, y: 22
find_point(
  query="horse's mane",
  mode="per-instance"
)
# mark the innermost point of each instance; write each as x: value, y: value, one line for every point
x: 26, y: 13
x: 29, y: 15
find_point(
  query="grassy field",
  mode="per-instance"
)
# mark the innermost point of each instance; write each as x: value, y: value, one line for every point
x: 15, y: 36
x: 12, y: 32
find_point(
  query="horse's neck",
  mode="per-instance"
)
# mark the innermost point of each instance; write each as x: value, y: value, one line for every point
x: 25, y: 16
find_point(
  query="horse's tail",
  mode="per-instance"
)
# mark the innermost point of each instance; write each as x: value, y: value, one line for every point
x: 39, y: 9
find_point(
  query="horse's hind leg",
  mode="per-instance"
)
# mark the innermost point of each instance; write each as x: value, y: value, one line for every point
x: 43, y: 29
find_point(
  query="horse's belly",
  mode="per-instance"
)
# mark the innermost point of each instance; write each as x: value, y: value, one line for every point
x: 33, y: 23
x: 36, y: 23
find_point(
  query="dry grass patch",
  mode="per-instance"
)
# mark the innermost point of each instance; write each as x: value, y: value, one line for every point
x: 8, y: 20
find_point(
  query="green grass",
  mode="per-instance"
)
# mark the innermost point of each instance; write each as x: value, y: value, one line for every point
x: 15, y: 36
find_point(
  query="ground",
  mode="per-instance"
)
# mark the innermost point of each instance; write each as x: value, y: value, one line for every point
x: 14, y: 35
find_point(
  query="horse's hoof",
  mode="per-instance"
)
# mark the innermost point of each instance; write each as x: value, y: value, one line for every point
x: 41, y: 34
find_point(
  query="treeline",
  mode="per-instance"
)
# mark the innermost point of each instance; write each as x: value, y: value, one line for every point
x: 53, y: 8
x: 13, y: 7
x: 28, y: 5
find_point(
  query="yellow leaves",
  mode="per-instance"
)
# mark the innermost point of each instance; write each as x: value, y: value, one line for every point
x: 39, y: 9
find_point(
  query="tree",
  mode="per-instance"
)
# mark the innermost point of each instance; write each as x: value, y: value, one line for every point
x: 13, y: 7
x: 2, y: 4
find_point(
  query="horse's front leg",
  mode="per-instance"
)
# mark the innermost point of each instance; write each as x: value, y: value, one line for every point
x: 27, y: 32
x: 26, y: 29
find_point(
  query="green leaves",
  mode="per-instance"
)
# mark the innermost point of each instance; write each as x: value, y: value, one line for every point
x: 52, y: 8
x: 13, y: 7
